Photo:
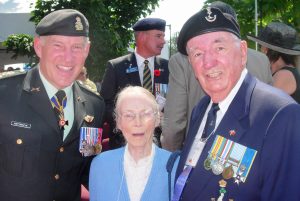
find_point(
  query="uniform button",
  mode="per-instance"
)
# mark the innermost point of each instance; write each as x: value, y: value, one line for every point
x: 19, y: 141
x: 56, y: 176
x: 61, y: 149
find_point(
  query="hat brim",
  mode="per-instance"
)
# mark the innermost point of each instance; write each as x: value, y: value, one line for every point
x: 274, y: 47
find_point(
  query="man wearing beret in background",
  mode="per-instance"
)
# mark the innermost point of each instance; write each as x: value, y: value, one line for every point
x: 243, y: 139
x: 43, y: 113
x: 140, y: 68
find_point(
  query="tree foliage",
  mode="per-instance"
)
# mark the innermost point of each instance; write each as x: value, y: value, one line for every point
x: 268, y: 10
x: 110, y: 23
x: 20, y: 45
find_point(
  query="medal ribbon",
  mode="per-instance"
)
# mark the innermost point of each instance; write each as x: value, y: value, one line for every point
x: 216, y: 146
x: 247, y: 162
x: 59, y: 102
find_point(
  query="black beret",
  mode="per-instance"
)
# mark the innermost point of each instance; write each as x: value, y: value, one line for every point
x: 66, y: 22
x: 208, y: 20
x: 149, y: 24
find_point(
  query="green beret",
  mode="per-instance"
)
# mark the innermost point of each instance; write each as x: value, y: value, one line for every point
x: 150, y: 24
x: 65, y: 22
x: 210, y: 19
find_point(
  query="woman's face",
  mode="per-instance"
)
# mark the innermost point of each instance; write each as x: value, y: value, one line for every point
x: 137, y: 120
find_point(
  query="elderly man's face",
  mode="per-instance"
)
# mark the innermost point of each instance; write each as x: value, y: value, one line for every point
x: 61, y: 58
x: 218, y: 59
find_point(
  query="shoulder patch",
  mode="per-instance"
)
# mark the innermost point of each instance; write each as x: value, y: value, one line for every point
x: 8, y: 74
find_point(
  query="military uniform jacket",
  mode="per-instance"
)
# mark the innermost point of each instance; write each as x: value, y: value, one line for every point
x: 262, y: 118
x: 117, y: 77
x: 35, y: 164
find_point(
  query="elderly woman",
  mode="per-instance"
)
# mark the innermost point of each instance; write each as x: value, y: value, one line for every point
x: 138, y: 170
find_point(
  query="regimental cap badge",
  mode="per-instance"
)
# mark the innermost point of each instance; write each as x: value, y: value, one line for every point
x: 78, y: 24
x: 210, y: 18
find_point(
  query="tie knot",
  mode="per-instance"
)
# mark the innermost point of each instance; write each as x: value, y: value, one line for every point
x: 215, y: 107
x: 60, y: 95
x: 146, y: 62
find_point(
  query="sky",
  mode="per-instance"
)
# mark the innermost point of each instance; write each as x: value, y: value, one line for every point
x: 175, y: 12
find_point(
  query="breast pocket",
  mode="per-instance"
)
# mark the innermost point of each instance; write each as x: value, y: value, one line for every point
x: 19, y: 150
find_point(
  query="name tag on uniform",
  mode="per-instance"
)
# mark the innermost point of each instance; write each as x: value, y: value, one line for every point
x: 20, y: 124
x: 132, y: 69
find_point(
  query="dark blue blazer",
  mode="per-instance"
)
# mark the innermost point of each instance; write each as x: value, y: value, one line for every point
x: 265, y: 119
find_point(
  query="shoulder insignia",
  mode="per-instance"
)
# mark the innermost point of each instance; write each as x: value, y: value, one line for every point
x: 7, y: 74
x: 87, y: 87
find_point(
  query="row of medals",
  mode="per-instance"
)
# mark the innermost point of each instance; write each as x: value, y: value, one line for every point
x: 218, y: 168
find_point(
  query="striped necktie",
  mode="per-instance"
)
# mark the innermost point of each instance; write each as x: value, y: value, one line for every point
x: 147, y: 81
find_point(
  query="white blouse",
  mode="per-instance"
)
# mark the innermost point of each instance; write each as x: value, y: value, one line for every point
x: 137, y: 173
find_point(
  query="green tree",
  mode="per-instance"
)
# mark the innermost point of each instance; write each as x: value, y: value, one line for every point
x: 268, y: 10
x: 110, y: 23
x: 21, y: 45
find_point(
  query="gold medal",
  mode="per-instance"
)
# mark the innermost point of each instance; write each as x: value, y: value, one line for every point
x: 228, y: 172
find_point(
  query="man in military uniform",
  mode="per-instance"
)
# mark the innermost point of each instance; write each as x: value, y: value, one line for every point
x: 43, y: 113
x: 142, y: 67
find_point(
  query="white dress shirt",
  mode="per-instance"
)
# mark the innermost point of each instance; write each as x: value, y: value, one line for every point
x: 137, y: 173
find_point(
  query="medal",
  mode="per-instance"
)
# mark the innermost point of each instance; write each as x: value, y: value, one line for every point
x: 62, y: 123
x: 228, y: 172
x: 222, y: 191
x: 207, y: 163
x: 217, y: 167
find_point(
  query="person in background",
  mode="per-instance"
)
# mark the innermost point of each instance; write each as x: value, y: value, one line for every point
x: 136, y: 172
x: 83, y: 77
x: 243, y: 137
x: 42, y: 113
x: 185, y: 92
x: 278, y: 42
x: 140, y: 68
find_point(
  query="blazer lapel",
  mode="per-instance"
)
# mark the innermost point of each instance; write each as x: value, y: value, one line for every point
x: 236, y: 121
x: 38, y: 99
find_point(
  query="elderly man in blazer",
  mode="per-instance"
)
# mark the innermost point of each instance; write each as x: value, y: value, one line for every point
x: 129, y: 70
x: 40, y: 131
x: 243, y: 137
x: 185, y: 92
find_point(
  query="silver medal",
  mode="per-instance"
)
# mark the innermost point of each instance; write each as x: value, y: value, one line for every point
x: 217, y: 167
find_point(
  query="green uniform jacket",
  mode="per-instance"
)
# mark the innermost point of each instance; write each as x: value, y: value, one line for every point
x: 35, y: 164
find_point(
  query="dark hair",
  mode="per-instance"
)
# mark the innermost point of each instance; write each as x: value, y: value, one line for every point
x: 274, y: 56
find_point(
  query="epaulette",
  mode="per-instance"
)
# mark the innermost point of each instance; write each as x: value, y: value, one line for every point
x: 81, y: 84
x: 8, y: 74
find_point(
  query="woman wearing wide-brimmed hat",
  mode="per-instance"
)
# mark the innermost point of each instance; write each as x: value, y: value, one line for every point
x: 279, y: 42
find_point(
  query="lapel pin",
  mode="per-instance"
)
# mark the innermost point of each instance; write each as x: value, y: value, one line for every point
x: 88, y: 118
x: 37, y: 89
x: 232, y: 132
